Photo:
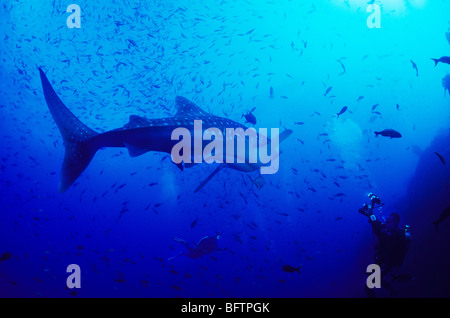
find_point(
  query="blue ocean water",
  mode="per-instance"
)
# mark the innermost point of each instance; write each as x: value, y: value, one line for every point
x: 296, y: 64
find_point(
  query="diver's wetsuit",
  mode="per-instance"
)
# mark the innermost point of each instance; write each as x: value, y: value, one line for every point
x: 390, y: 251
x: 391, y: 247
x: 392, y: 242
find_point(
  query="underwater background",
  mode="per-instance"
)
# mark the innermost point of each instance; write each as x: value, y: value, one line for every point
x: 297, y: 64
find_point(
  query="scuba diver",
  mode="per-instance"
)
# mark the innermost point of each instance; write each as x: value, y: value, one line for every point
x: 205, y: 246
x: 391, y: 242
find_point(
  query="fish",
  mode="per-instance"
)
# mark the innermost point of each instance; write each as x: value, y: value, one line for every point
x: 440, y: 157
x: 120, y: 280
x: 414, y: 65
x: 343, y: 110
x: 194, y: 223
x: 140, y: 135
x: 442, y: 217
x: 132, y: 43
x: 328, y: 90
x: 388, y: 133
x: 5, y: 256
x: 443, y: 59
x: 38, y: 280
x: 259, y: 182
x: 360, y: 98
x: 290, y: 269
x: 343, y: 67
x: 176, y: 287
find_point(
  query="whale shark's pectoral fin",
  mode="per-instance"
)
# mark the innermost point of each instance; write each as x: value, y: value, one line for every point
x: 135, y: 151
x: 284, y: 134
x: 204, y: 182
x: 179, y: 165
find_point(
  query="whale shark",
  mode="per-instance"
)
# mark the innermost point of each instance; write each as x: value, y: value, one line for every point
x: 139, y: 136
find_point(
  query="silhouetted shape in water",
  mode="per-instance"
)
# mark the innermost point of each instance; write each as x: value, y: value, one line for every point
x: 415, y: 67
x: 391, y: 243
x: 447, y: 35
x: 259, y: 181
x: 446, y: 83
x: 343, y: 110
x: 404, y: 277
x: 249, y: 117
x: 388, y: 133
x: 205, y: 246
x: 442, y: 217
x: 5, y: 256
x: 444, y: 59
x: 440, y: 157
x: 139, y: 135
x: 290, y: 269
x: 391, y: 247
x: 343, y: 67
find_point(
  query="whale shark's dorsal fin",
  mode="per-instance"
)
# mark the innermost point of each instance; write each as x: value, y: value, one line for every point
x: 137, y: 122
x: 187, y: 108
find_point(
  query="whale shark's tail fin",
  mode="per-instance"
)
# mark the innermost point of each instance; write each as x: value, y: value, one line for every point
x: 78, y: 138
